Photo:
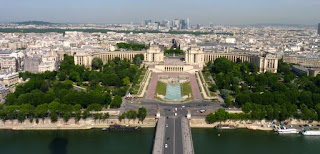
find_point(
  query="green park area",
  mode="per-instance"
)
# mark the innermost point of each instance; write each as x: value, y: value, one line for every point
x: 57, y: 94
x: 270, y: 96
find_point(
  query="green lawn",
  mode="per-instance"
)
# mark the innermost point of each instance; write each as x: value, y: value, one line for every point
x: 186, y: 89
x: 161, y: 88
x: 135, y: 88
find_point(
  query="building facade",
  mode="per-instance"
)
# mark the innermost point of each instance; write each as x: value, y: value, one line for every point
x: 265, y: 63
x: 8, y: 64
x: 9, y: 79
x: 195, y: 59
x: 153, y: 55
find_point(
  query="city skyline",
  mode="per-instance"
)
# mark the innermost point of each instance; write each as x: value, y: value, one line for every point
x: 229, y: 12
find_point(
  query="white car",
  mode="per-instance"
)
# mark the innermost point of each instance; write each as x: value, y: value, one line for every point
x: 166, y: 125
x: 175, y: 114
x: 166, y: 145
x: 183, y: 106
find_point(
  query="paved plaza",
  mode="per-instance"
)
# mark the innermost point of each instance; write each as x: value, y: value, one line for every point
x: 154, y: 79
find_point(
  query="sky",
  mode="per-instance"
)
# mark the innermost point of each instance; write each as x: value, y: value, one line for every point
x: 218, y: 12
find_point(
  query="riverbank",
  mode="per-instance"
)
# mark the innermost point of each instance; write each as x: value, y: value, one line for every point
x: 89, y: 123
x: 250, y: 124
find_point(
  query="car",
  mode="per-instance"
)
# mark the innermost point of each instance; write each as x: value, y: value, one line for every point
x: 166, y: 145
x: 175, y: 114
x: 183, y: 106
x: 175, y: 109
x: 166, y: 125
x: 202, y: 111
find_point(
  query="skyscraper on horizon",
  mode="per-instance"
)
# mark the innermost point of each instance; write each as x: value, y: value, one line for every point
x: 319, y: 29
x: 188, y: 23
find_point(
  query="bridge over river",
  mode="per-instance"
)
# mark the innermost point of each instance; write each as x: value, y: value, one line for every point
x: 173, y: 136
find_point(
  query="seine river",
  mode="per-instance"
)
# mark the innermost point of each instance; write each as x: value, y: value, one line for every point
x: 206, y: 141
x: 76, y: 142
x: 243, y: 141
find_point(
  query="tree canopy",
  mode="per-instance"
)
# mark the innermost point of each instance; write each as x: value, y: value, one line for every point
x: 266, y: 95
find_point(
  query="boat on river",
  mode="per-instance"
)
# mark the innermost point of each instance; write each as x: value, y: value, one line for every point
x: 220, y: 126
x: 310, y: 132
x: 285, y: 130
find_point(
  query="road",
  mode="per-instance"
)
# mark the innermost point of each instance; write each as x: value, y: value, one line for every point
x: 173, y: 136
x: 153, y: 106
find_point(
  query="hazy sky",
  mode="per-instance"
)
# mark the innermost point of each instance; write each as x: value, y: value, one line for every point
x: 126, y: 11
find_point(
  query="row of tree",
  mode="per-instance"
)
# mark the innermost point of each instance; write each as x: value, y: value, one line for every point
x: 54, y: 110
x: 132, y: 114
x: 132, y: 46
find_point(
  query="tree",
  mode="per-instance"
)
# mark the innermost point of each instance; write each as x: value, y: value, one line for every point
x: 269, y: 111
x: 77, y: 107
x: 222, y: 65
x: 126, y: 81
x: 74, y: 76
x: 54, y: 117
x: 77, y: 116
x: 111, y: 79
x: 224, y: 93
x: 54, y: 106
x: 137, y: 60
x: 213, y: 88
x: 131, y: 114
x: 116, y: 102
x: 246, y: 108
x: 122, y: 116
x: 62, y: 76
x: 306, y: 98
x: 94, y: 107
x: 97, y: 116
x: 228, y: 102
x: 142, y: 113
x: 66, y: 116
x: 21, y: 117
x: 96, y: 63
x: 107, y: 98
x: 85, y: 114
x: 211, y: 118
x: 41, y: 110
x: 221, y: 115
x: 105, y: 116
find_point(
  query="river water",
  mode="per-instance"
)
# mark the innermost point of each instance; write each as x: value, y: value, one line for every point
x: 206, y: 141
x: 76, y: 142
x: 243, y: 141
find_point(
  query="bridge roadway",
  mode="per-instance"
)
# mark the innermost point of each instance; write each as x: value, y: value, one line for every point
x: 175, y: 133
